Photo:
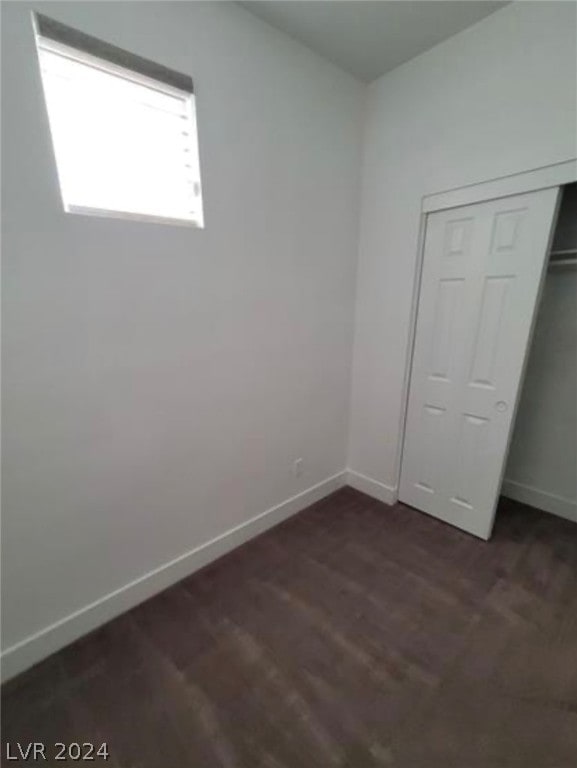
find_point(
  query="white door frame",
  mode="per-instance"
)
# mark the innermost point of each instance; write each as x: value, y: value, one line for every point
x: 555, y: 175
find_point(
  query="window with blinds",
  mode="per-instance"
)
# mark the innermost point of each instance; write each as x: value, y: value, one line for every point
x: 123, y: 129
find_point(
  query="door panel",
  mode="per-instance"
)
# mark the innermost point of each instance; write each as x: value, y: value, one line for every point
x: 482, y: 271
x: 493, y: 305
x: 448, y: 299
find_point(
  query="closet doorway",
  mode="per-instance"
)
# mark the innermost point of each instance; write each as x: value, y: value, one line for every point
x: 483, y: 272
x: 541, y: 468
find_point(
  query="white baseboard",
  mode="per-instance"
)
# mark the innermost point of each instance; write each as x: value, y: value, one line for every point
x: 38, y: 646
x: 548, y: 502
x: 374, y: 488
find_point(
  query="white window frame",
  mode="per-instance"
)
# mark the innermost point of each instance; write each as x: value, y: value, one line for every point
x: 197, y: 219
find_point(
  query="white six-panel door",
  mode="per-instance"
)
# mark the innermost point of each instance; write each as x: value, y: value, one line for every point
x: 482, y: 271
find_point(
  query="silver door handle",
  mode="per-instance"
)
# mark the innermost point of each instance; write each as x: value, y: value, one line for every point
x: 501, y: 406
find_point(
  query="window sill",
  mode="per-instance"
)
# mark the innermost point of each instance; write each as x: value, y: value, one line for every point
x: 144, y: 217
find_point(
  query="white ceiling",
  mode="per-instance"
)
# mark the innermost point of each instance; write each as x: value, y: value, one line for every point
x: 369, y: 38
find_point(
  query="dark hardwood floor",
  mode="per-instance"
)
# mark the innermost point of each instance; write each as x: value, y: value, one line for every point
x: 354, y: 634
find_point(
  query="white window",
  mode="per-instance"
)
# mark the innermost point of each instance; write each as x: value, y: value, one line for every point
x: 124, y: 136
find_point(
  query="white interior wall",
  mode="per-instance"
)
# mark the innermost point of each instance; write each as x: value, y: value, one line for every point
x: 497, y: 99
x: 159, y: 381
x: 542, y: 464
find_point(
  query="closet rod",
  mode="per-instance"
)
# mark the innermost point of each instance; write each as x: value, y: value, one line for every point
x: 565, y: 257
x: 564, y: 252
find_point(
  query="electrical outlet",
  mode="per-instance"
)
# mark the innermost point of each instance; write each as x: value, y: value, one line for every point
x: 297, y: 467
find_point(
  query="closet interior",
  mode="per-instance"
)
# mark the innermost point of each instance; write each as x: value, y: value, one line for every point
x: 542, y: 462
